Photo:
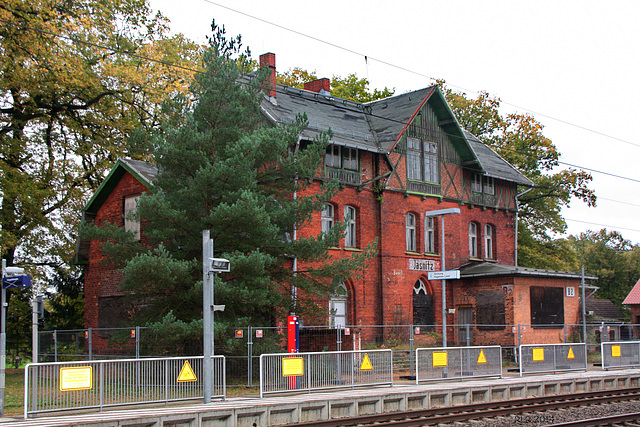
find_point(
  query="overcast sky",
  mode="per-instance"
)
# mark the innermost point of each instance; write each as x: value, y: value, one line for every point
x: 574, y: 65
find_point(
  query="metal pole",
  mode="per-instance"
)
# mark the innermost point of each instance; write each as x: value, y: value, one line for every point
x: 444, y: 285
x: 3, y: 337
x: 207, y: 315
x: 34, y: 330
x: 584, y: 310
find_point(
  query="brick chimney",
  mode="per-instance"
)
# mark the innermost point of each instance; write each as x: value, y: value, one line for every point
x: 319, y: 86
x: 269, y: 60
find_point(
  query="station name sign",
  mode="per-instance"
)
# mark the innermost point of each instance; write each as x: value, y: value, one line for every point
x: 423, y: 264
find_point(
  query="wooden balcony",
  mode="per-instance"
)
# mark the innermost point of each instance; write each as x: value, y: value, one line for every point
x: 343, y: 175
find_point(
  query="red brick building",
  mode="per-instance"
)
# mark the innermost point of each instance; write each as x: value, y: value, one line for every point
x: 398, y: 159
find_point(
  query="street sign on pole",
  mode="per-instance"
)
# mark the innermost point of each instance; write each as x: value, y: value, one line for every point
x: 443, y: 275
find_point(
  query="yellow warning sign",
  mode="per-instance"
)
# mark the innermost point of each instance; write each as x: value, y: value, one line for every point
x: 615, y: 351
x: 366, y: 364
x: 79, y: 378
x: 186, y: 373
x: 538, y: 354
x: 439, y: 358
x: 292, y: 366
x: 481, y: 358
x: 571, y: 355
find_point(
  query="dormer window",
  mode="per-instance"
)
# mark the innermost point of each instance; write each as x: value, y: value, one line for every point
x: 482, y: 184
x: 422, y: 161
x: 341, y: 157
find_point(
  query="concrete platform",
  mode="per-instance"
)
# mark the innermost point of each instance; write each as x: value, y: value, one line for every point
x: 340, y: 404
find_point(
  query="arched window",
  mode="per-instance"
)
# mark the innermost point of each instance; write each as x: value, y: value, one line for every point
x: 350, y: 231
x: 327, y: 217
x: 429, y: 235
x: 488, y: 241
x: 410, y: 222
x: 422, y: 305
x: 473, y: 240
x: 338, y: 307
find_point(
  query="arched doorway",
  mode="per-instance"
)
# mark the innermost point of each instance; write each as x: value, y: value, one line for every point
x: 423, y: 313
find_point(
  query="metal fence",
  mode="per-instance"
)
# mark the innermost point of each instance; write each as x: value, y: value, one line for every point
x: 242, y: 346
x: 540, y: 358
x: 100, y: 384
x: 458, y: 362
x: 622, y: 354
x: 294, y: 372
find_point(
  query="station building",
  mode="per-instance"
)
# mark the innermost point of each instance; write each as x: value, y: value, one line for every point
x: 407, y: 171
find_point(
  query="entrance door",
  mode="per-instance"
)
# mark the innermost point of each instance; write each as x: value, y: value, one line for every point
x: 465, y: 326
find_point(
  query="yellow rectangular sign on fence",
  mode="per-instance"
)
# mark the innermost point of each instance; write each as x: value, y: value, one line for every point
x: 615, y: 351
x: 78, y: 378
x: 538, y: 354
x: 439, y: 358
x: 292, y: 366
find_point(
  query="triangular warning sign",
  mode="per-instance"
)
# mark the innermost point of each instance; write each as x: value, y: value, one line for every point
x: 366, y: 364
x: 481, y: 358
x: 571, y: 355
x: 186, y: 373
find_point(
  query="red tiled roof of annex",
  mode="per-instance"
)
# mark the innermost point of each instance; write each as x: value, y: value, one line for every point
x: 634, y: 295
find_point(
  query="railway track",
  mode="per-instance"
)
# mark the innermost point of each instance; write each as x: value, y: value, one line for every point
x: 533, y: 408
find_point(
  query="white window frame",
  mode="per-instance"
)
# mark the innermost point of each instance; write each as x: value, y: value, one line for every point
x: 349, y: 158
x: 473, y: 240
x: 429, y: 235
x: 338, y: 307
x: 488, y: 241
x: 131, y: 207
x: 332, y: 156
x: 476, y: 183
x: 488, y: 185
x: 410, y: 227
x: 422, y: 161
x: 327, y: 217
x: 350, y: 235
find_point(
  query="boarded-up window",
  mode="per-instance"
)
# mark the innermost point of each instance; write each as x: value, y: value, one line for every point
x: 547, y: 306
x: 490, y: 312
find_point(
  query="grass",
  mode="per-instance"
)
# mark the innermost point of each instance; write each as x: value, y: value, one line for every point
x: 14, y: 392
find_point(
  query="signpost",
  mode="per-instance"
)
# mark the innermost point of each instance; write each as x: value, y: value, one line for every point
x: 12, y: 277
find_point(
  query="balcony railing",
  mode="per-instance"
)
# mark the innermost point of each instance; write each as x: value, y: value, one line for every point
x: 343, y: 175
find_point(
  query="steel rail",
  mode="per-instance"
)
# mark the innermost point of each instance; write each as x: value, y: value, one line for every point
x: 603, y: 421
x: 483, y: 410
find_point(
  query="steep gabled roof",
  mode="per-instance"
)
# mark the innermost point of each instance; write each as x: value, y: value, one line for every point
x: 493, y: 164
x: 634, y: 295
x: 603, y: 310
x: 144, y: 172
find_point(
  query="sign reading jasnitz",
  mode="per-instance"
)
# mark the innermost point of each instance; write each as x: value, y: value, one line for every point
x: 423, y: 264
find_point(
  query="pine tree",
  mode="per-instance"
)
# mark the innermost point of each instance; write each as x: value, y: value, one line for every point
x: 222, y: 167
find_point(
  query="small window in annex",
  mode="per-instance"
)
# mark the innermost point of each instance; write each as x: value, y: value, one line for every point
x: 327, y: 217
x: 130, y: 207
x: 350, y: 231
x: 410, y: 221
x: 547, y: 306
x: 473, y: 240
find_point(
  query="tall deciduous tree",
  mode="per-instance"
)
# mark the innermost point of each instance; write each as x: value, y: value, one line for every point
x: 520, y: 140
x: 223, y: 168
x: 74, y: 84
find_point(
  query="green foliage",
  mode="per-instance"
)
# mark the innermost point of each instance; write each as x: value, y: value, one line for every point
x: 224, y: 169
x: 64, y: 301
x: 519, y: 139
x: 350, y: 87
x: 69, y: 106
x: 610, y: 257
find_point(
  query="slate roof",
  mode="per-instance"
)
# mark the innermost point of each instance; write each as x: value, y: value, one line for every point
x: 144, y: 172
x: 634, y: 295
x: 603, y: 310
x: 493, y: 164
x: 378, y: 125
x: 489, y: 269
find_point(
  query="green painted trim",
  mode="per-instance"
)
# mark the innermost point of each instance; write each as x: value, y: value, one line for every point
x: 110, y: 182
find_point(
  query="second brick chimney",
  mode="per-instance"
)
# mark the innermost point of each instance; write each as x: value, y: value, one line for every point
x: 322, y: 86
